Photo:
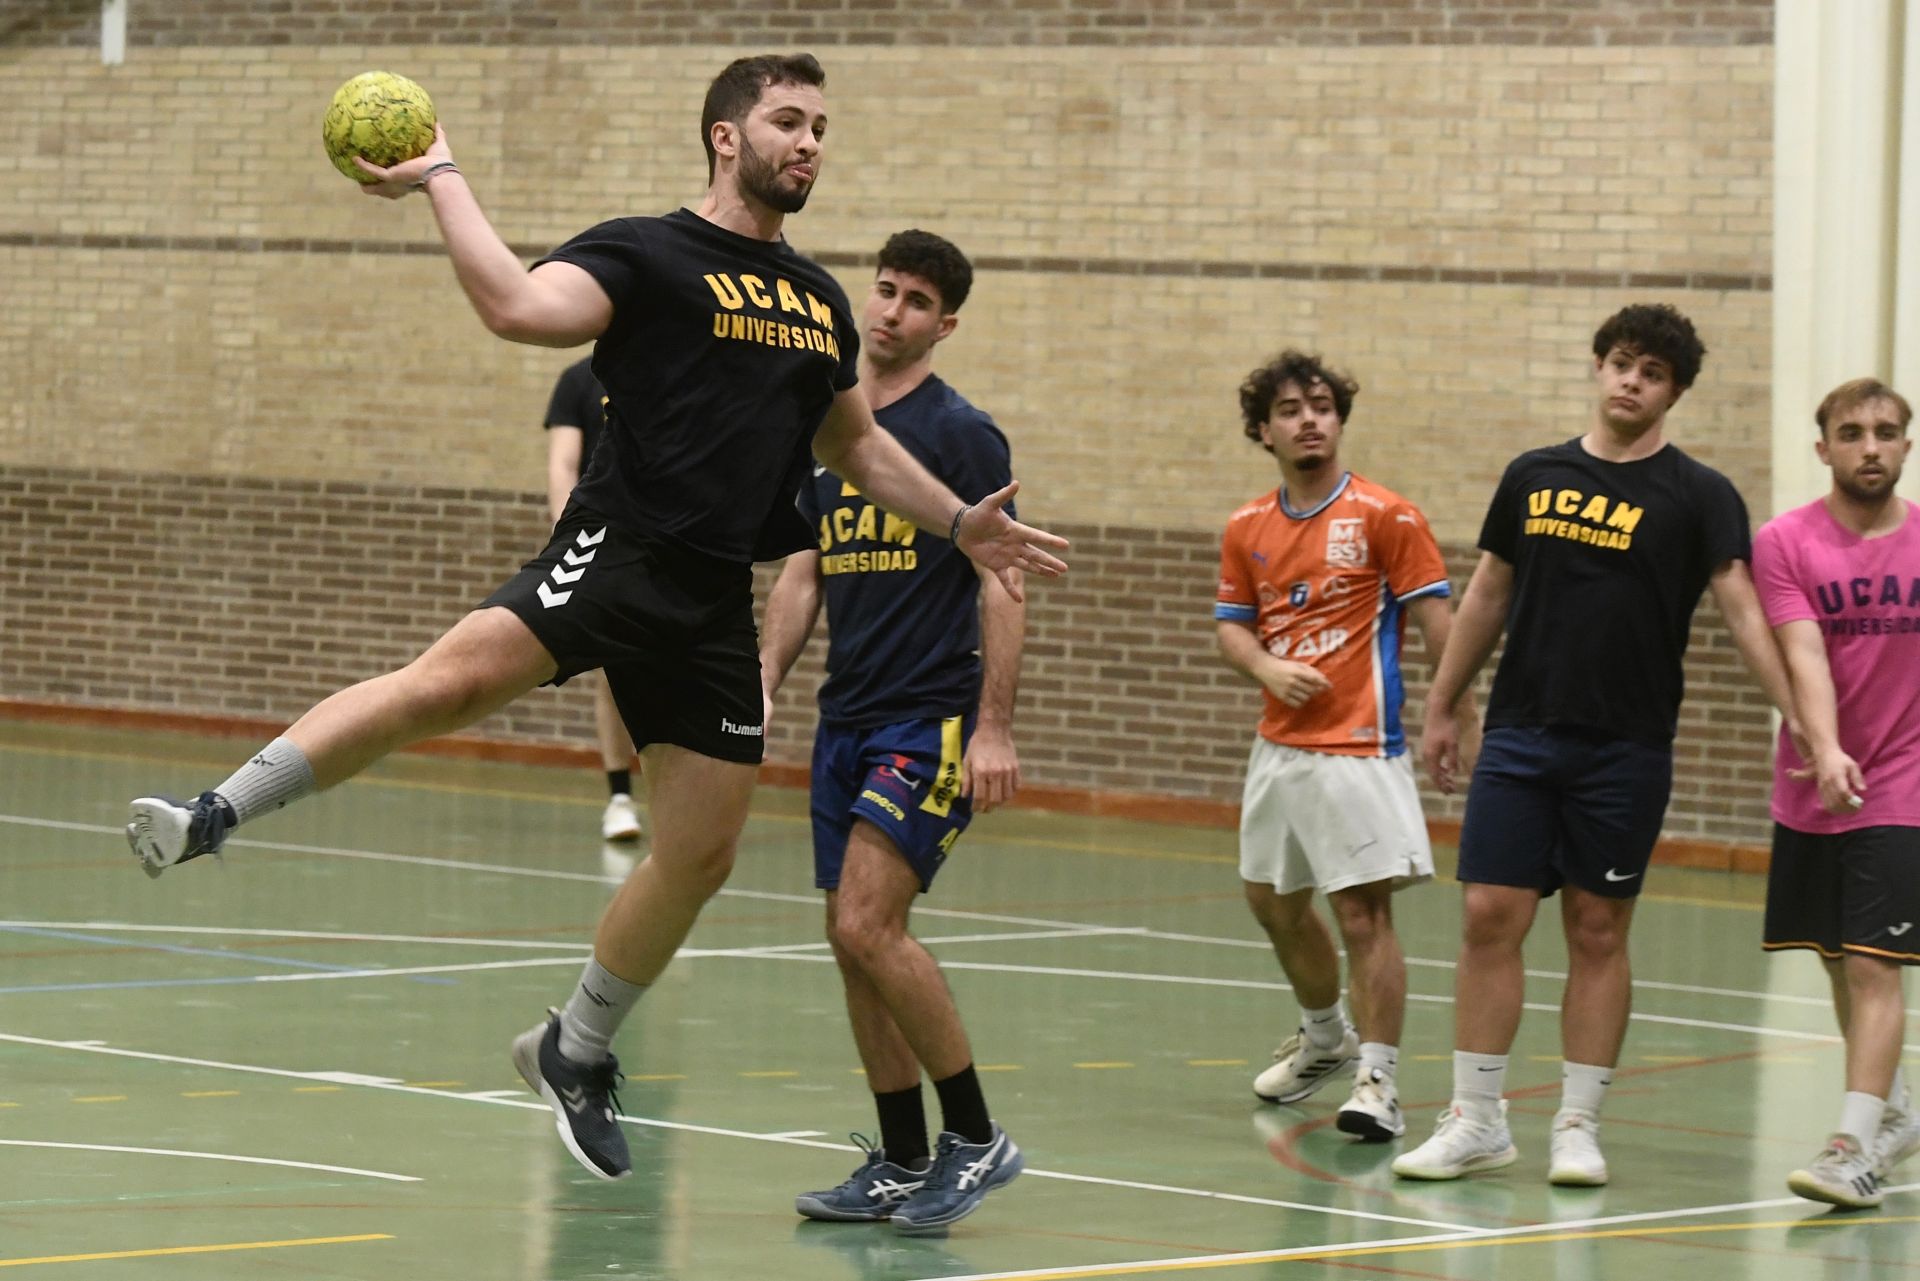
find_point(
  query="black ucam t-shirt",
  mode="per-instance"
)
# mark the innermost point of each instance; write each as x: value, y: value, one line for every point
x: 1609, y: 561
x: 578, y: 401
x: 903, y: 607
x: 723, y: 355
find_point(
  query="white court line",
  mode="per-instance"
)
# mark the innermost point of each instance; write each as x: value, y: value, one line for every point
x: 1070, y: 926
x: 213, y: 1156
x: 790, y: 1138
x: 324, y: 936
x: 1338, y: 1247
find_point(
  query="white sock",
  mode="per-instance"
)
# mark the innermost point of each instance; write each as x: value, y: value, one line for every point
x: 277, y: 775
x: 1583, y: 1086
x: 1860, y: 1117
x: 599, y: 1004
x: 1324, y: 1028
x: 1897, y: 1098
x: 1478, y: 1082
x: 1380, y: 1056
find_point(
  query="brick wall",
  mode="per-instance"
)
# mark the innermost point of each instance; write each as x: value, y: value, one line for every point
x: 1443, y: 197
x: 256, y: 598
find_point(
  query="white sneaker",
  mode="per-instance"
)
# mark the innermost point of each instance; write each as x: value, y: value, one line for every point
x: 1575, y: 1160
x: 1301, y: 1067
x: 1373, y: 1112
x: 1897, y: 1139
x: 619, y: 822
x: 1842, y: 1174
x: 1460, y: 1146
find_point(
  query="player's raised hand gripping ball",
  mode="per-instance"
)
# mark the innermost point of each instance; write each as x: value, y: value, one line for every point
x: 381, y: 116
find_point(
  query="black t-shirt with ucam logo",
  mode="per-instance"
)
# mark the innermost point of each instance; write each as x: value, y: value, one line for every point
x: 723, y: 355
x: 1609, y: 561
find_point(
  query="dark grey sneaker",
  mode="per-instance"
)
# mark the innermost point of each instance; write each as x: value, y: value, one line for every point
x: 870, y: 1193
x: 962, y: 1174
x: 586, y: 1111
x: 163, y: 831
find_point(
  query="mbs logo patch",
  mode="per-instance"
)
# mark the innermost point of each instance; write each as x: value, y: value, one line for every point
x: 1347, y: 543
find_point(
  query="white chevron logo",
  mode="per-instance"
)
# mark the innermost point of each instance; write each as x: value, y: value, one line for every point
x: 572, y: 559
x: 591, y: 540
x: 560, y: 575
x: 550, y: 598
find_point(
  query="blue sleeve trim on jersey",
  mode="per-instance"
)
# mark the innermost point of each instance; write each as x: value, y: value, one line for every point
x: 1225, y: 613
x: 1443, y: 588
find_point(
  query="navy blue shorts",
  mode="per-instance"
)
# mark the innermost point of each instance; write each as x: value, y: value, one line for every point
x: 904, y: 779
x: 1553, y: 806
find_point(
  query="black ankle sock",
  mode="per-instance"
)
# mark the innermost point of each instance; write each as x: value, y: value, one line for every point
x: 903, y: 1125
x: 620, y: 782
x: 963, y: 1109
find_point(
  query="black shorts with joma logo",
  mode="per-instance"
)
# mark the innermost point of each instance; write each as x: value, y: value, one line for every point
x: 672, y: 627
x: 1840, y: 892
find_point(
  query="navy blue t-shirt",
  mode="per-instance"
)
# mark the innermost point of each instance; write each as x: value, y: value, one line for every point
x: 903, y: 606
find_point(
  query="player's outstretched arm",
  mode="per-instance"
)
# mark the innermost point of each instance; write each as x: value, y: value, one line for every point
x: 555, y: 305
x: 851, y: 445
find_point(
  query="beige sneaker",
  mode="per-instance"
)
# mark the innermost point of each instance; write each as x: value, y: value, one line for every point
x: 1300, y: 1067
x: 1843, y: 1174
x: 1460, y: 1146
x: 620, y: 821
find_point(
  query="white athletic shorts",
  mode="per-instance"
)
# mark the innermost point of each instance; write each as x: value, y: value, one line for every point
x: 1313, y: 820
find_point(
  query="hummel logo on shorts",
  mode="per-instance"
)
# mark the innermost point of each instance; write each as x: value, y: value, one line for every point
x: 751, y: 731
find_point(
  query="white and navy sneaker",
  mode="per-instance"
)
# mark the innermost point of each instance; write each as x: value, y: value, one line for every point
x: 871, y: 1193
x: 962, y: 1174
x: 162, y: 831
x: 1300, y: 1067
x: 1460, y: 1146
x: 1898, y: 1137
x: 1843, y: 1174
x: 620, y: 821
x: 585, y: 1109
x: 1373, y: 1110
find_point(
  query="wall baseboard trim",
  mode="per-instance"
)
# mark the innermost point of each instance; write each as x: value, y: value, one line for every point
x: 1186, y: 811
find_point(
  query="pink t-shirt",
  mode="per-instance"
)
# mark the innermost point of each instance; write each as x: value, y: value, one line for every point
x: 1865, y: 595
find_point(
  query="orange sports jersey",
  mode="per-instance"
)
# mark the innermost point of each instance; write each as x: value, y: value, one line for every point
x: 1328, y: 587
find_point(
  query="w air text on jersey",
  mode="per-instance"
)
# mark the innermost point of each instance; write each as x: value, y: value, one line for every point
x: 903, y: 612
x: 1328, y: 587
x: 723, y: 355
x: 1609, y: 561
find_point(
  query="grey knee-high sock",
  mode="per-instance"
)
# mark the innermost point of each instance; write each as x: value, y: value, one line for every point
x: 277, y: 775
x: 595, y: 1011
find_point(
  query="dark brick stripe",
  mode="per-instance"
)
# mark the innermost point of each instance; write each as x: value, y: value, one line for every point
x: 1718, y: 281
x: 757, y: 24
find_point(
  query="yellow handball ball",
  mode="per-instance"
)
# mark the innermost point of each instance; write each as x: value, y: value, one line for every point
x: 378, y: 115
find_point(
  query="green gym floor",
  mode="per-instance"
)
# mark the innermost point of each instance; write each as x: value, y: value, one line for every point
x: 294, y: 1065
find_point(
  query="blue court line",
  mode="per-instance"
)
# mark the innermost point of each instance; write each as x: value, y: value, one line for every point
x: 284, y: 961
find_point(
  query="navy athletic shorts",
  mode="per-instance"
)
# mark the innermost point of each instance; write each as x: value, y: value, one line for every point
x: 1553, y: 806
x: 904, y: 779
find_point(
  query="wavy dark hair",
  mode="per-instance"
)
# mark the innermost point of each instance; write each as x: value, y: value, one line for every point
x: 1654, y: 329
x: 1850, y: 395
x: 736, y: 90
x: 934, y: 259
x: 1290, y: 366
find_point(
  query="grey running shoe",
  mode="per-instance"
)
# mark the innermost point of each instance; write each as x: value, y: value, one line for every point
x: 870, y: 1193
x: 962, y: 1174
x: 1301, y: 1067
x: 586, y: 1111
x: 1843, y: 1174
x: 163, y: 831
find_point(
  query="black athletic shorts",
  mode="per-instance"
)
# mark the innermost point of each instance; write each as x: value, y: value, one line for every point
x: 1841, y: 892
x: 672, y: 627
x: 1549, y: 806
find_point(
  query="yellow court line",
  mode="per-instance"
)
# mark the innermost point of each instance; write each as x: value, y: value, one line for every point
x: 1471, y: 1243
x: 1216, y: 1063
x: 433, y: 1085
x: 783, y: 1072
x: 317, y: 1089
x: 208, y: 1094
x: 191, y: 1249
x: 1103, y: 1065
x: 658, y: 1076
x: 999, y: 1067
x: 101, y: 1098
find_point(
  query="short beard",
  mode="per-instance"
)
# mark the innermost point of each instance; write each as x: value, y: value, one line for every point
x: 761, y: 181
x: 1859, y: 493
x: 1312, y: 462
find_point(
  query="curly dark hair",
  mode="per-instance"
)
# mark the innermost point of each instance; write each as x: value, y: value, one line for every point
x: 1290, y: 366
x: 935, y: 260
x: 737, y: 89
x: 1654, y: 329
